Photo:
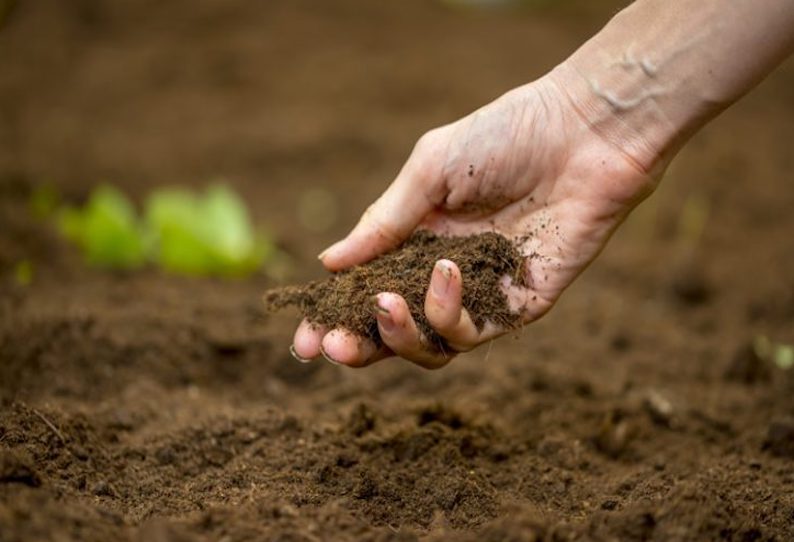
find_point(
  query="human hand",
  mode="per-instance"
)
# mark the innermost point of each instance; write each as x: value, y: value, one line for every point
x: 529, y: 165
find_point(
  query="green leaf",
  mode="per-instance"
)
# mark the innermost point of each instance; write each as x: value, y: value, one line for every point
x: 781, y: 354
x: 185, y: 233
x: 204, y: 235
x: 106, y: 229
x: 784, y: 356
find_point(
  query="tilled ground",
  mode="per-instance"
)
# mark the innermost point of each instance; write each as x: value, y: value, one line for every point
x: 144, y: 407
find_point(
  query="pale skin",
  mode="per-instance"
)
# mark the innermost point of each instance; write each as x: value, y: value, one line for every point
x: 556, y: 164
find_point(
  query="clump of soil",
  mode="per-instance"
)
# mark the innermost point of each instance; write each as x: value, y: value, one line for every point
x: 346, y: 298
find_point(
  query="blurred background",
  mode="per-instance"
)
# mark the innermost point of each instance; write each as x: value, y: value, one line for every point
x: 307, y: 109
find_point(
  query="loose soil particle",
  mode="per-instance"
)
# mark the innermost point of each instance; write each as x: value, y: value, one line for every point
x: 346, y: 298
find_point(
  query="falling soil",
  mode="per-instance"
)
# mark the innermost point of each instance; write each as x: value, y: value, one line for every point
x: 346, y: 298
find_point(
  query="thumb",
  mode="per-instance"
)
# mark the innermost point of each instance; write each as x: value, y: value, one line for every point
x: 385, y: 224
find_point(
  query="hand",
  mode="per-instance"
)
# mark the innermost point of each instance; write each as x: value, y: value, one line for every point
x: 529, y: 166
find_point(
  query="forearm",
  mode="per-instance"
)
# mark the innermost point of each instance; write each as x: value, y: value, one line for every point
x: 661, y: 69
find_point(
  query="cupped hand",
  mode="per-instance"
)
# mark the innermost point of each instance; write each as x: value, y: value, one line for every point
x: 529, y: 165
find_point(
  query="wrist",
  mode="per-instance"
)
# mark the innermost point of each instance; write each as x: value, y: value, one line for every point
x: 622, y: 110
x: 639, y: 83
x: 660, y: 70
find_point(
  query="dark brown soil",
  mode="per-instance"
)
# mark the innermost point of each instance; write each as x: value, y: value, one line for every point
x: 346, y: 298
x: 146, y: 407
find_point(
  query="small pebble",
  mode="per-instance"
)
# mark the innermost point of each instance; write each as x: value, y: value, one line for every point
x: 659, y: 408
x: 609, y: 504
x: 614, y: 435
x: 103, y: 489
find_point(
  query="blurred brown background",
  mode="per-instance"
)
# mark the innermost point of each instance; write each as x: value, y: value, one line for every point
x: 177, y: 409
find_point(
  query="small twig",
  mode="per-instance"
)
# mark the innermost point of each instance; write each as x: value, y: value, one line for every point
x: 49, y: 424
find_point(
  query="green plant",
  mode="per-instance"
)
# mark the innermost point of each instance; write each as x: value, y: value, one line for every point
x: 183, y: 232
x: 106, y: 229
x: 207, y: 234
x: 781, y: 354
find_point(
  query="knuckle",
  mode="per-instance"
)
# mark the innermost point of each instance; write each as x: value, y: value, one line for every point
x: 425, y: 141
x: 378, y: 227
x: 429, y: 140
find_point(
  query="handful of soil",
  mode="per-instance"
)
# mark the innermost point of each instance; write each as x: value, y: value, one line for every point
x: 345, y: 298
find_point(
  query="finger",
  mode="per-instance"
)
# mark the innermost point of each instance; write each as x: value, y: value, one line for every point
x: 444, y: 307
x: 342, y: 347
x: 306, y: 342
x: 399, y: 332
x: 388, y: 221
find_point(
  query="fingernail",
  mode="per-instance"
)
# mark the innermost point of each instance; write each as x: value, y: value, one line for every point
x: 376, y: 306
x: 440, y: 284
x: 382, y: 314
x: 329, y: 358
x: 296, y: 356
x: 327, y: 251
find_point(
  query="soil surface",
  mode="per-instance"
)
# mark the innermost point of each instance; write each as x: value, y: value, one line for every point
x: 345, y: 299
x: 138, y: 406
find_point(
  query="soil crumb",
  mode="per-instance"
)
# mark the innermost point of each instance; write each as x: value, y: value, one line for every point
x: 345, y: 299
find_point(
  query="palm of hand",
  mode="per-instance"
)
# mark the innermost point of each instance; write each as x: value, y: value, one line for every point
x: 536, y: 173
x: 525, y: 166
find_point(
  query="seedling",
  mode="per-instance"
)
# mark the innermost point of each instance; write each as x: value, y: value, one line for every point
x: 183, y: 232
x: 107, y: 230
x: 780, y: 354
x: 204, y: 235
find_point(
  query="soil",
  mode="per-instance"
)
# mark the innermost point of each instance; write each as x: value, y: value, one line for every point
x: 139, y: 406
x: 346, y: 298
